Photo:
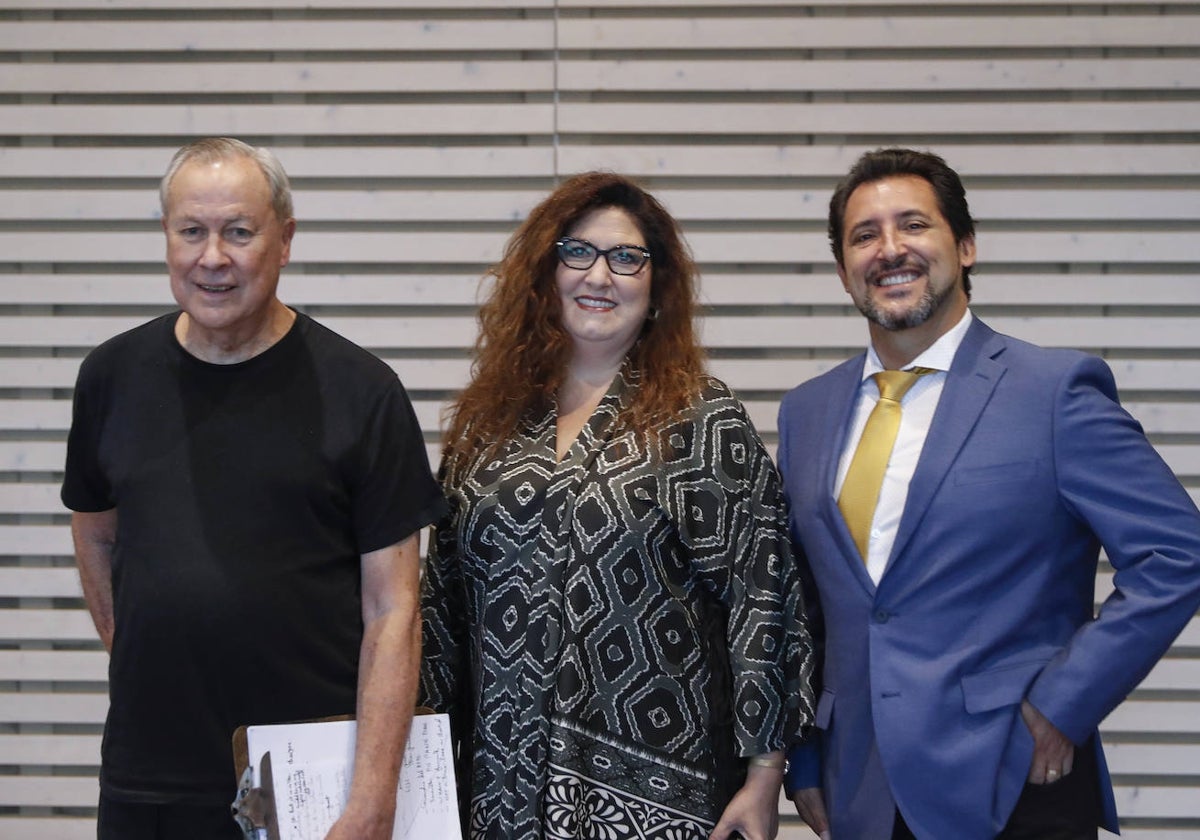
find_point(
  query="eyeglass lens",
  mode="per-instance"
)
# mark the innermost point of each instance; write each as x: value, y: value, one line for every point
x: 581, y: 254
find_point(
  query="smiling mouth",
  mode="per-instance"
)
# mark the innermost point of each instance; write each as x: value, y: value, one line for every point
x: 595, y: 303
x: 897, y: 279
x: 204, y: 287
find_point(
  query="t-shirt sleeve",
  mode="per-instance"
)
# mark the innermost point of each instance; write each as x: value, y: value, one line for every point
x: 394, y: 492
x: 85, y: 486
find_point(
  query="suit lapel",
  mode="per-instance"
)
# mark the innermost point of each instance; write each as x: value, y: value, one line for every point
x: 844, y: 384
x: 972, y: 379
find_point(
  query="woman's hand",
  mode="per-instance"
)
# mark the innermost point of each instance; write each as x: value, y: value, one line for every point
x: 753, y: 813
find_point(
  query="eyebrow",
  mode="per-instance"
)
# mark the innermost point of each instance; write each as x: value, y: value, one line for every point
x: 903, y: 214
x: 232, y: 220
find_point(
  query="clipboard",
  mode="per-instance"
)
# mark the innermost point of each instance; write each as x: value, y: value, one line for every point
x: 303, y: 784
x: 254, y: 807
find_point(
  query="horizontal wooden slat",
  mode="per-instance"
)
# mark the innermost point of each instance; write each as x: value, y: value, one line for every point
x: 69, y: 750
x: 29, y: 497
x: 431, y: 5
x: 475, y: 161
x: 29, y: 456
x: 1153, y: 759
x: 40, y: 582
x: 1154, y: 716
x: 651, y: 75
x: 48, y: 828
x: 790, y: 160
x: 893, y: 32
x: 460, y: 203
x: 1165, y: 802
x: 1174, y: 675
x: 55, y: 791
x: 61, y: 665
x: 597, y: 119
x: 43, y: 5
x: 468, y: 119
x: 870, y: 4
x: 612, y: 33
x: 757, y: 75
x: 45, y: 708
x: 784, y: 160
x: 1079, y: 117
x: 293, y: 77
x: 199, y: 35
x: 34, y: 414
x: 49, y: 625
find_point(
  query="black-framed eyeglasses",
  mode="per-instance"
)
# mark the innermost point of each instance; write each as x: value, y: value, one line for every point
x: 582, y: 255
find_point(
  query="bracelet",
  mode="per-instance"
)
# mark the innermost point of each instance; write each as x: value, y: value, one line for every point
x: 776, y: 761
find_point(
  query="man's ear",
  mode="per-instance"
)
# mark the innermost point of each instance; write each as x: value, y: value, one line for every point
x: 966, y: 251
x: 289, y: 230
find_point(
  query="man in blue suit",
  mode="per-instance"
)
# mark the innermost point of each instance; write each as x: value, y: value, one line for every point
x: 965, y: 670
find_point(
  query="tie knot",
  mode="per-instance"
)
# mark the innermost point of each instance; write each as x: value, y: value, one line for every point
x: 894, y: 384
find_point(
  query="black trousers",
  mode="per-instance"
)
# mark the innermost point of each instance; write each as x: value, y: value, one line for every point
x: 1068, y: 809
x: 136, y: 821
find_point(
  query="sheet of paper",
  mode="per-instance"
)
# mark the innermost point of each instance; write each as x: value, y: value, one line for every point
x: 312, y: 762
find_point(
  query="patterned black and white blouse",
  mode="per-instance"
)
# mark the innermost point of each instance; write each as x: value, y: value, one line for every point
x: 611, y: 632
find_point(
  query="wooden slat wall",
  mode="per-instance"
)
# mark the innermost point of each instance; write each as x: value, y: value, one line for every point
x: 418, y: 132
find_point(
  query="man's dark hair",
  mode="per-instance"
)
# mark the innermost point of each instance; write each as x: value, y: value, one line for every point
x: 889, y: 163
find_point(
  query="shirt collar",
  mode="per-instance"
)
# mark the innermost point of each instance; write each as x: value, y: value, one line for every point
x: 938, y: 356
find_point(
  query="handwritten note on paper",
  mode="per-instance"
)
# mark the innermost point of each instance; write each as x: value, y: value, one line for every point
x: 310, y: 798
x: 426, y: 802
x: 312, y: 764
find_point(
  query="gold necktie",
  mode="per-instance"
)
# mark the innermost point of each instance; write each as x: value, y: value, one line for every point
x: 860, y: 489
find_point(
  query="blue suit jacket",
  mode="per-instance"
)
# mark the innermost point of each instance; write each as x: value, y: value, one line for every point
x: 1030, y: 466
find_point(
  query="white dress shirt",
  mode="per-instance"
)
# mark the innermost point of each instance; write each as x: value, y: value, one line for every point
x: 919, y: 405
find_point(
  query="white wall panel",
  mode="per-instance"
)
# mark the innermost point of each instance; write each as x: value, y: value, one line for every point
x: 418, y: 133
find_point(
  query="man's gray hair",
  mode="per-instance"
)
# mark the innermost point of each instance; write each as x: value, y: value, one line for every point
x: 214, y: 149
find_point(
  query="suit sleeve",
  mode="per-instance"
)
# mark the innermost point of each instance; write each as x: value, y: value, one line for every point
x: 1111, y: 478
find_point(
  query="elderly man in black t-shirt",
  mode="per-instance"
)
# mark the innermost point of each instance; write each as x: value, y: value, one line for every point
x: 246, y: 487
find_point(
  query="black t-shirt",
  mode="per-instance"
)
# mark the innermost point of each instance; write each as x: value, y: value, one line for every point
x: 245, y: 495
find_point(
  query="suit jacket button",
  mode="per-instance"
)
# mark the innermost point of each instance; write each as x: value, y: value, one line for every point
x: 882, y: 616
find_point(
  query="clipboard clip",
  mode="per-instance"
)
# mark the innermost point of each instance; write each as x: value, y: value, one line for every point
x: 254, y: 807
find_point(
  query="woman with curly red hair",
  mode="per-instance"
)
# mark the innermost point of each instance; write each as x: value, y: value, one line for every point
x: 612, y: 614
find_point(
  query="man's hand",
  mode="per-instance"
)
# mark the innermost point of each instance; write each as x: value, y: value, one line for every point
x: 361, y: 827
x: 810, y: 805
x: 1053, y: 752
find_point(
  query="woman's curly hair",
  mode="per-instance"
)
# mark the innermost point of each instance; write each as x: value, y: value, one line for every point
x: 523, y: 350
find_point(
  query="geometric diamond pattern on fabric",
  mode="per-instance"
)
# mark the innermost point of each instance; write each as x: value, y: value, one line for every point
x: 629, y: 621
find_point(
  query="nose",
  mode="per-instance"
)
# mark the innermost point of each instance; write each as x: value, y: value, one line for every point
x: 598, y: 274
x: 891, y: 244
x: 214, y: 252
